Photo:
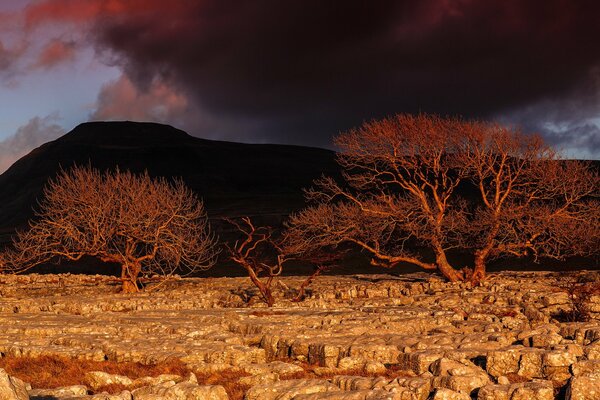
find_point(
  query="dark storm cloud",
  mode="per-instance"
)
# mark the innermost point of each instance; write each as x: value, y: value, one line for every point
x: 300, y: 71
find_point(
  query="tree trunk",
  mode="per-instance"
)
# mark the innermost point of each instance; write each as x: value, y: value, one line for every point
x: 479, y: 271
x: 263, y: 288
x: 129, y: 275
x: 445, y: 268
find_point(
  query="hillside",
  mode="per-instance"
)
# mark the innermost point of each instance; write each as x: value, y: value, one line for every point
x: 233, y: 178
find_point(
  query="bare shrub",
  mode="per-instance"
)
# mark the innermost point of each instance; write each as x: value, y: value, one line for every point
x: 259, y: 254
x: 148, y: 226
x: 580, y: 290
x: 262, y: 252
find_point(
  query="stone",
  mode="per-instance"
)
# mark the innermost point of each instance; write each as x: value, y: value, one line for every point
x: 542, y: 390
x: 420, y: 361
x: 353, y: 395
x: 66, y: 391
x: 503, y: 380
x: 447, y: 394
x: 287, y: 390
x: 351, y: 363
x: 97, y: 379
x: 410, y: 324
x: 462, y: 383
x: 445, y: 366
x: 546, y: 340
x: 585, y: 367
x: 530, y: 364
x: 503, y: 362
x: 259, y: 379
x: 417, y: 388
x: 12, y: 388
x: 374, y: 368
x: 277, y: 367
x: 180, y: 391
x: 156, y: 380
x: 558, y: 358
x: 584, y: 388
x: 124, y: 395
x: 494, y: 392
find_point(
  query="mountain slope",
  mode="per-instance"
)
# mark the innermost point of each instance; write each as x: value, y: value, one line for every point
x: 232, y: 178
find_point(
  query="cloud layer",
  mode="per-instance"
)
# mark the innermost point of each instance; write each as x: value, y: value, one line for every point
x: 302, y: 70
x: 36, y: 132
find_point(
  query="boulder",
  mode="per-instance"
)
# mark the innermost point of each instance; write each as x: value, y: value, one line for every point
x: 447, y: 394
x: 539, y: 390
x: 503, y: 362
x: 12, y: 388
x: 585, y: 387
x: 98, y: 379
x: 417, y: 388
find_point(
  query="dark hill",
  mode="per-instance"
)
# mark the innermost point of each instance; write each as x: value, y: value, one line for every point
x: 233, y: 178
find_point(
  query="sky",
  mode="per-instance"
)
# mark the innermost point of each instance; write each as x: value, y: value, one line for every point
x: 297, y: 71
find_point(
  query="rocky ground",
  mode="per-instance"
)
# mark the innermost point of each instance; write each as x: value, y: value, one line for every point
x: 353, y: 338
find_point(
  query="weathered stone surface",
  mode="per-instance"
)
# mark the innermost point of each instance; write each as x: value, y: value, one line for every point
x: 504, y: 362
x: 530, y: 364
x: 417, y: 388
x: 354, y: 395
x: 558, y: 358
x: 12, y: 388
x: 124, y: 395
x: 494, y: 392
x: 374, y: 368
x: 542, y: 390
x: 447, y: 394
x: 450, y: 335
x: 180, y: 391
x: 277, y: 367
x: 67, y: 391
x: 97, y: 379
x: 584, y: 388
x: 286, y: 390
x: 585, y: 367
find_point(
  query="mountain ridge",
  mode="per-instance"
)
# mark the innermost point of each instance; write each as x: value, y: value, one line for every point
x: 232, y: 178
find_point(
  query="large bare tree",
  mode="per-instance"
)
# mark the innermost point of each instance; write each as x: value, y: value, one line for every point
x: 530, y: 201
x: 148, y: 226
x: 401, y: 192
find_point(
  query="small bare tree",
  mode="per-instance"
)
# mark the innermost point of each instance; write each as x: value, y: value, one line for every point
x: 401, y: 176
x: 263, y: 253
x: 259, y: 255
x: 148, y: 226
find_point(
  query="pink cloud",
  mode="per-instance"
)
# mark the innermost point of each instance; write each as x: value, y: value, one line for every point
x: 55, y: 52
x: 121, y: 99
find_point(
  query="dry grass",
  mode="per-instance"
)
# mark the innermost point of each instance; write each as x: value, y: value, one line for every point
x: 52, y: 372
x: 228, y: 379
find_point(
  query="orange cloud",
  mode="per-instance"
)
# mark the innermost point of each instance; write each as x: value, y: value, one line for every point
x: 78, y: 11
x: 121, y: 99
x: 54, y: 53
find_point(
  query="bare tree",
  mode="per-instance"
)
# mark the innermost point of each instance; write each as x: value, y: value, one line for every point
x: 401, y: 176
x: 259, y: 255
x: 532, y: 202
x: 262, y: 252
x: 148, y: 226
